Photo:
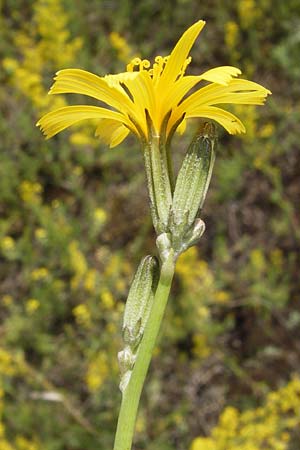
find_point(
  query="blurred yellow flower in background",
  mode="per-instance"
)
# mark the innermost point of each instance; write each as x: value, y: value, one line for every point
x: 40, y: 273
x: 32, y: 305
x: 120, y: 44
x: 7, y: 244
x: 30, y: 192
x: 82, y: 315
x: 269, y: 426
x: 97, y: 372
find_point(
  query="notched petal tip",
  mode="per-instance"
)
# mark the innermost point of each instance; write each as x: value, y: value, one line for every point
x: 237, y: 131
x: 221, y: 75
x: 40, y: 125
x: 200, y: 22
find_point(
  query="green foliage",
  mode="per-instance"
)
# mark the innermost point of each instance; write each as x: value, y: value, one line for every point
x: 75, y: 222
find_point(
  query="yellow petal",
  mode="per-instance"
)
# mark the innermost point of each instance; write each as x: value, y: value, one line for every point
x: 77, y: 81
x: 141, y: 89
x: 180, y: 88
x: 178, y: 56
x: 237, y: 91
x: 120, y: 134
x: 56, y: 121
x: 115, y: 80
x: 230, y: 122
x: 221, y: 75
x: 182, y: 127
x: 111, y: 132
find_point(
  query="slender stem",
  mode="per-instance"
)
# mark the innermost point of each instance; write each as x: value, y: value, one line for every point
x: 131, y: 396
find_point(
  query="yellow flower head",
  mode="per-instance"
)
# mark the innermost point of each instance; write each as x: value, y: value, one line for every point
x: 160, y: 96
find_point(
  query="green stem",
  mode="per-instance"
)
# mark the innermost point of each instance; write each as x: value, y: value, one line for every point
x: 132, y: 393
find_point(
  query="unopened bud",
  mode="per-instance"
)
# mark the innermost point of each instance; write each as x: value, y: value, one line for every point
x: 194, y: 176
x: 139, y: 301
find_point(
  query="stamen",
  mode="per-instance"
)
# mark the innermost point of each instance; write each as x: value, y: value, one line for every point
x: 138, y: 63
x: 129, y: 67
x: 184, y: 67
x: 158, y: 59
x: 133, y: 63
x: 145, y: 64
x: 158, y: 67
x: 155, y: 71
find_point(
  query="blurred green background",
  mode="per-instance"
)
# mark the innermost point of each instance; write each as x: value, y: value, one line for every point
x: 75, y: 223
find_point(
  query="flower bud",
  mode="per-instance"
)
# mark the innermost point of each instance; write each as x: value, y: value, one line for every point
x: 194, y: 176
x: 139, y: 301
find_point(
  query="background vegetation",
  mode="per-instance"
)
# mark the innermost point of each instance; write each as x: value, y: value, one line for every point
x: 75, y: 222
